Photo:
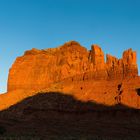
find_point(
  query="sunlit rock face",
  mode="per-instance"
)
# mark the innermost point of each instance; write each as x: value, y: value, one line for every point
x: 37, y: 69
x: 122, y: 68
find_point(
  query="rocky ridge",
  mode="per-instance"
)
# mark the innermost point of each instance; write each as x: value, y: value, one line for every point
x: 71, y: 69
x: 37, y: 69
x: 72, y: 93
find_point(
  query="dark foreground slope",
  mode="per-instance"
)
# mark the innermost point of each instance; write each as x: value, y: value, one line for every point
x: 58, y: 116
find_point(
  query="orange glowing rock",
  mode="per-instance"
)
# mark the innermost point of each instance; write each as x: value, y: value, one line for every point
x: 72, y: 69
x: 97, y: 57
x: 36, y: 69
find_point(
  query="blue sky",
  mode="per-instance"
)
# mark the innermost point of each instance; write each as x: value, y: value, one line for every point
x: 26, y: 24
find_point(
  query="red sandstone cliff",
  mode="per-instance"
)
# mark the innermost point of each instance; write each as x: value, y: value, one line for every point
x: 72, y: 69
x: 72, y: 87
x: 36, y: 69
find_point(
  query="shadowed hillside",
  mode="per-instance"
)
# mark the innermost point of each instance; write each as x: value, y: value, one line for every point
x: 58, y: 116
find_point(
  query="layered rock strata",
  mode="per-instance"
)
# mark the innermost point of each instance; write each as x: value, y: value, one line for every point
x: 37, y: 69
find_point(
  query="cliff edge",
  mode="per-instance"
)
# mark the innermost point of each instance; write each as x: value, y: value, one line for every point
x: 37, y: 69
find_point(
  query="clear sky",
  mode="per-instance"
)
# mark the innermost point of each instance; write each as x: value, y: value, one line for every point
x: 26, y: 24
